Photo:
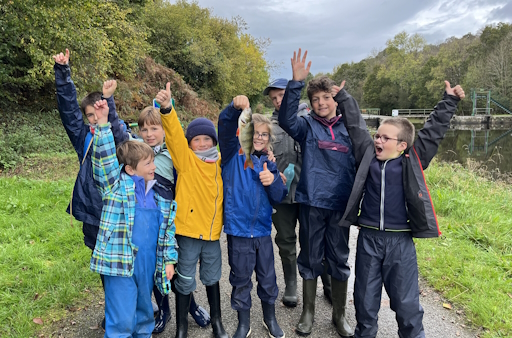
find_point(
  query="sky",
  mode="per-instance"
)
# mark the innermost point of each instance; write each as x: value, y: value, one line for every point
x: 339, y: 31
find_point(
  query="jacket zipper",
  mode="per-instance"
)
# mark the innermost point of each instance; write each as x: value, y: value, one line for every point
x: 215, y: 211
x: 382, y: 195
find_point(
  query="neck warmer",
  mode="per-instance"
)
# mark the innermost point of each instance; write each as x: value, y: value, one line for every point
x: 209, y: 156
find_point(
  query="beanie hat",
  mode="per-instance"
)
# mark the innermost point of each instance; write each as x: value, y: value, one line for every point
x: 201, y: 126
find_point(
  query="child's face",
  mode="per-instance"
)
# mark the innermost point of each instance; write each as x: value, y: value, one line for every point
x: 276, y: 95
x: 261, y: 137
x: 90, y: 115
x: 145, y: 169
x: 323, y: 104
x: 152, y: 134
x: 393, y: 147
x: 201, y: 143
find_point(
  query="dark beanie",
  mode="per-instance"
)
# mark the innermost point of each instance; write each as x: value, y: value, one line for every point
x: 201, y: 126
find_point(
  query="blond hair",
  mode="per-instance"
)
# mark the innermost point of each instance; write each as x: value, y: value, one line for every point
x: 258, y: 119
x: 132, y: 152
x: 149, y: 116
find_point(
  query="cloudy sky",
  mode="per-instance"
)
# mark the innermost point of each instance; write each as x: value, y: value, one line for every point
x: 338, y: 31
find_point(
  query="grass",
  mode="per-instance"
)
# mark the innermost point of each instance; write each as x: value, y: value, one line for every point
x: 471, y: 264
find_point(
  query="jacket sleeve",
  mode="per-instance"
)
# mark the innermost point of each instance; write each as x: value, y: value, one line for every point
x: 288, y: 120
x: 228, y: 141
x: 355, y: 124
x: 105, y: 167
x: 69, y: 110
x: 430, y: 136
x: 175, y: 140
x: 277, y: 191
x: 119, y: 135
x: 170, y: 252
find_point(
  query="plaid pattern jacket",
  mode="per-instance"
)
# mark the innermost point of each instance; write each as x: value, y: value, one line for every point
x: 114, y: 253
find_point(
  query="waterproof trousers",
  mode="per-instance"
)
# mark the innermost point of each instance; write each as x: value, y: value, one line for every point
x: 245, y: 256
x: 387, y: 258
x: 128, y: 308
x: 285, y: 221
x: 320, y: 236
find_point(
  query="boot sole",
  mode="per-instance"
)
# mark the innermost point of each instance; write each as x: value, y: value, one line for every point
x: 270, y: 334
x: 302, y: 334
x: 289, y: 304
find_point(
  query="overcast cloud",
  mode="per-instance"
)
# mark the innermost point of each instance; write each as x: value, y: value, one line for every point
x: 339, y: 31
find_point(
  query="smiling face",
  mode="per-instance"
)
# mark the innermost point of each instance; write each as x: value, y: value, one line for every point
x: 201, y: 143
x: 392, y: 147
x: 323, y: 104
x: 90, y: 115
x: 261, y: 137
x: 145, y: 169
x: 153, y: 135
x: 276, y: 95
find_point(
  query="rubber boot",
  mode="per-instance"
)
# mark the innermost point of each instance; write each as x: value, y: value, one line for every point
x: 164, y: 312
x: 326, y: 281
x: 182, y: 306
x: 290, y: 280
x: 270, y: 322
x: 244, y: 324
x: 305, y: 325
x: 213, y: 293
x: 200, y: 315
x: 339, y: 304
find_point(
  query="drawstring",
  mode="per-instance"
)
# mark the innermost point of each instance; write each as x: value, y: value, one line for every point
x: 73, y: 190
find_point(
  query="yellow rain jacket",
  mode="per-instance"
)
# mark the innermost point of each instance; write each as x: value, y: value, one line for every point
x: 199, y: 189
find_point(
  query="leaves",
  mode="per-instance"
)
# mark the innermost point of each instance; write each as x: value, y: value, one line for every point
x: 38, y: 321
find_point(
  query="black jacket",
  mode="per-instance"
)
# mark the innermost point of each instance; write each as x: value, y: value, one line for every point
x: 420, y: 209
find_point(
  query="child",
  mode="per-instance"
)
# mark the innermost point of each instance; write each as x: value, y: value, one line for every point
x: 326, y: 179
x: 250, y: 194
x: 86, y: 202
x: 390, y: 218
x: 152, y: 133
x: 199, y: 219
x: 135, y: 221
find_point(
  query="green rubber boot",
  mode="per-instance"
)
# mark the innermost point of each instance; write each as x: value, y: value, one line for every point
x: 339, y: 305
x: 305, y: 325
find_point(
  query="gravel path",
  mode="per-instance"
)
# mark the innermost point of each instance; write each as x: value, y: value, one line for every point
x: 438, y: 322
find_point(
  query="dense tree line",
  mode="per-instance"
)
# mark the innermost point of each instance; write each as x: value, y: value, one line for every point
x: 409, y: 73
x: 113, y: 38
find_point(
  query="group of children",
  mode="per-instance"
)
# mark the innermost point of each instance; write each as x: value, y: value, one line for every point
x: 153, y: 210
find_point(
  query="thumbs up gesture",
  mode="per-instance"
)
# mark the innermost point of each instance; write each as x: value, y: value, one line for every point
x: 456, y: 91
x: 266, y: 177
x: 164, y: 96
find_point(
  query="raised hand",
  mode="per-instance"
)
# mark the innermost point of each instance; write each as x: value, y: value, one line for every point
x: 455, y: 91
x: 271, y: 156
x: 62, y: 59
x: 241, y: 102
x: 335, y: 89
x: 164, y: 96
x: 101, y: 111
x: 266, y: 177
x: 300, y: 71
x: 109, y: 87
x: 169, y: 271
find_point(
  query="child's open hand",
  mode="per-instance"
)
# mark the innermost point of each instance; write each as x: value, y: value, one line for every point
x: 109, y: 87
x: 164, y: 96
x: 241, y: 102
x: 456, y: 91
x: 169, y: 271
x: 101, y: 112
x: 300, y: 71
x: 335, y: 89
x: 62, y: 59
x: 266, y: 177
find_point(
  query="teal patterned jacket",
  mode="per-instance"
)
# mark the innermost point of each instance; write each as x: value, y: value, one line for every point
x: 114, y: 253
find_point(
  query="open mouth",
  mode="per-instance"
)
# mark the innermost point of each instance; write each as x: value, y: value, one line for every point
x: 378, y: 150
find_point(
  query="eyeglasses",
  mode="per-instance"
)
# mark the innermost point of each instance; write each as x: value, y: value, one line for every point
x: 383, y: 138
x: 263, y: 136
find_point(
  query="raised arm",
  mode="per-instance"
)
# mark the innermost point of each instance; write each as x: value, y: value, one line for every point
x: 105, y: 167
x: 228, y: 124
x: 430, y: 136
x: 120, y: 136
x: 69, y: 110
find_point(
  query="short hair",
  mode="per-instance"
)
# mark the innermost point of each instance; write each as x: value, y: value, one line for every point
x: 320, y: 84
x: 149, y: 116
x: 132, y: 152
x: 90, y: 100
x: 258, y: 119
x: 406, y: 130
